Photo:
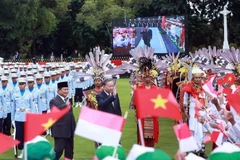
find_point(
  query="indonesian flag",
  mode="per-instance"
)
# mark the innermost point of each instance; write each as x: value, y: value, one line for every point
x: 222, y: 129
x: 208, y: 86
x: 36, y: 124
x: 186, y: 141
x: 207, y: 139
x: 217, y: 137
x: 7, y: 143
x: 100, y: 126
x: 157, y: 102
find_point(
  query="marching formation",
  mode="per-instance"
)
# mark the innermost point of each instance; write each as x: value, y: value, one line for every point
x: 30, y: 88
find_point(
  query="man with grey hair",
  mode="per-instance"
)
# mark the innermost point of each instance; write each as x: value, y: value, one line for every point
x: 108, y: 100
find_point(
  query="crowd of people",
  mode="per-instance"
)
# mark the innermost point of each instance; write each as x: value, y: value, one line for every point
x: 176, y: 30
x: 32, y: 89
x: 124, y: 37
x: 37, y: 88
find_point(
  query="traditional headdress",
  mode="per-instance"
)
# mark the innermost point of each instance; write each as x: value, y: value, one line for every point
x: 99, y: 66
x: 145, y: 63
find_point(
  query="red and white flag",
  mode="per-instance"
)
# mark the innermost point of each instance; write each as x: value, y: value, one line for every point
x: 208, y: 86
x: 217, y: 138
x: 207, y: 139
x: 100, y: 126
x: 186, y: 141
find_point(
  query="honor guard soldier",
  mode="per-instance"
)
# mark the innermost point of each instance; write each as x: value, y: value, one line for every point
x: 22, y: 103
x: 3, y: 113
x: 42, y: 91
x: 51, y: 88
x: 34, y: 92
x: 6, y: 102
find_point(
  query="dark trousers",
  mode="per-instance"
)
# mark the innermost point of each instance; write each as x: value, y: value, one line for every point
x: 65, y: 144
x: 147, y: 42
x: 20, y: 133
x: 44, y: 133
x: 1, y: 125
x: 7, y: 125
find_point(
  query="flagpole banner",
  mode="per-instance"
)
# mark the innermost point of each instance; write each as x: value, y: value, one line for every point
x: 186, y: 141
x: 159, y: 102
x: 141, y: 132
x: 208, y: 87
x: 217, y: 138
x: 100, y: 126
x: 36, y: 124
x: 7, y: 143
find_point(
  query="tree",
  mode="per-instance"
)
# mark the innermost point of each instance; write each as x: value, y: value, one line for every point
x: 96, y: 17
x: 28, y: 21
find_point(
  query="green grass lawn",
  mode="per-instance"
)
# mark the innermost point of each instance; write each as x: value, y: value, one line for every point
x: 84, y: 148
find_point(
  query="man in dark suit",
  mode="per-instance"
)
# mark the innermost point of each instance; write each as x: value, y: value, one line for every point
x: 146, y: 35
x: 108, y: 100
x: 63, y: 129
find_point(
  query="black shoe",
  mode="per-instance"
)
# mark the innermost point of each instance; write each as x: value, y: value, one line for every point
x: 203, y: 155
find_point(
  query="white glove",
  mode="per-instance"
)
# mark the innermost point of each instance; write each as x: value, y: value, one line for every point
x: 13, y: 124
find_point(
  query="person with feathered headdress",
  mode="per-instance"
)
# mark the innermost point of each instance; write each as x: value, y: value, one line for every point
x: 98, y: 67
x: 146, y: 74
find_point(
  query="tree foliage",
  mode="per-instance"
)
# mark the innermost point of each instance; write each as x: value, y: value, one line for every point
x: 40, y: 27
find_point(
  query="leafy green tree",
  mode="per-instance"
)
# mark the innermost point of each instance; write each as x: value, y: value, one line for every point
x: 28, y: 21
x: 96, y: 18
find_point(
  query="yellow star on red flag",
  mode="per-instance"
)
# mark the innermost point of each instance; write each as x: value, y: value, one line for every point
x: 229, y: 78
x: 49, y: 123
x: 159, y: 102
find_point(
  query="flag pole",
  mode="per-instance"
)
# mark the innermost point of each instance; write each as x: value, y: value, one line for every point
x: 25, y: 151
x: 116, y: 147
x: 141, y: 131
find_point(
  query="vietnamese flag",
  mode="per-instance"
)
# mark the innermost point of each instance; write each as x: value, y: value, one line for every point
x: 220, y: 81
x: 7, y: 143
x: 227, y: 91
x: 233, y: 100
x: 36, y: 124
x: 159, y: 102
x: 229, y: 78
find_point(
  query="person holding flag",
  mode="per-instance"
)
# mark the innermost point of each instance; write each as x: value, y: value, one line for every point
x: 146, y: 68
x: 150, y: 124
x: 63, y: 129
x: 193, y: 92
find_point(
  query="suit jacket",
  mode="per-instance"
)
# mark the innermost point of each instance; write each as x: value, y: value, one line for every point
x: 65, y: 126
x: 105, y: 103
x: 147, y: 34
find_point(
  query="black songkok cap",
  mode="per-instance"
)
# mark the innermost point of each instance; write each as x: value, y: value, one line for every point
x: 62, y: 84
